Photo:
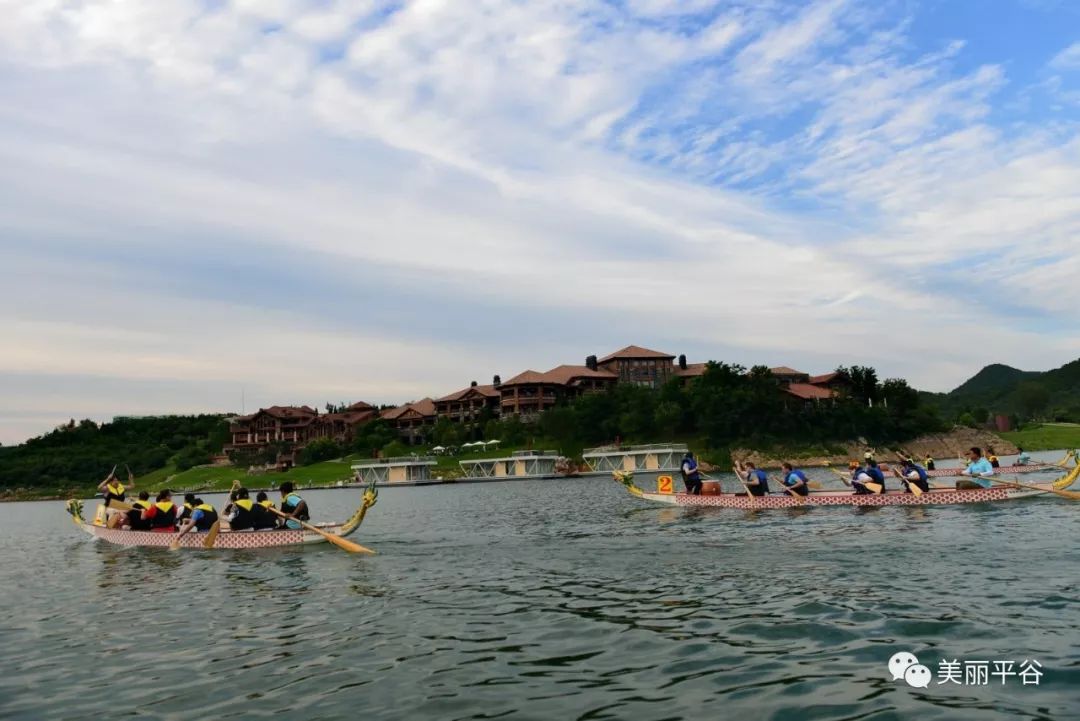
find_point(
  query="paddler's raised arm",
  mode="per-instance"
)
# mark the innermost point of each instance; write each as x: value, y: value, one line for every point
x: 111, y: 476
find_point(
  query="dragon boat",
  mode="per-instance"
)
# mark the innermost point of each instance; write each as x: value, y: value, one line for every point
x: 666, y: 494
x: 1029, y: 468
x: 275, y: 538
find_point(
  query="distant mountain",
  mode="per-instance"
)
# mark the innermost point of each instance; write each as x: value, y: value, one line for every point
x: 992, y: 383
x: 999, y: 388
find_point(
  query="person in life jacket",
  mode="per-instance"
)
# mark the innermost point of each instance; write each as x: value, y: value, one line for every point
x: 263, y: 517
x: 202, y: 517
x: 187, y: 508
x: 867, y: 473
x: 691, y: 475
x: 240, y: 515
x: 992, y: 457
x: 133, y: 519
x: 930, y: 465
x: 912, y: 473
x: 1023, y: 458
x: 756, y: 480
x: 162, y: 513
x: 296, y: 507
x: 795, y: 479
x: 115, y: 491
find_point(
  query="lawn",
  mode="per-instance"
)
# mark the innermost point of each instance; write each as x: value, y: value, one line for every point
x: 220, y: 478
x: 1046, y: 437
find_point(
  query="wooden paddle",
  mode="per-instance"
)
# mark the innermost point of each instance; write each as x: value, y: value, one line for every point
x: 910, y: 484
x: 739, y: 475
x: 1071, y: 495
x: 342, y: 543
x: 215, y: 527
x: 790, y: 491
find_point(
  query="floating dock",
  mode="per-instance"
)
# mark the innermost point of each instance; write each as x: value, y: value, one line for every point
x: 399, y: 471
x: 519, y: 465
x: 653, y: 457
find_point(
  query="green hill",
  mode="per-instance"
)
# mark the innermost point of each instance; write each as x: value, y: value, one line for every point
x: 1052, y: 395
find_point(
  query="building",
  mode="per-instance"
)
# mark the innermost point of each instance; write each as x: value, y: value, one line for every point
x: 530, y: 393
x: 639, y: 366
x: 783, y: 374
x: 468, y: 404
x: 689, y: 371
x: 404, y: 470
x: 804, y: 387
x: 293, y: 427
x: 412, y: 421
x: 276, y: 424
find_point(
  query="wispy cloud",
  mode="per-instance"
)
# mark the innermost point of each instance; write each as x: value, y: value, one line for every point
x: 336, y: 200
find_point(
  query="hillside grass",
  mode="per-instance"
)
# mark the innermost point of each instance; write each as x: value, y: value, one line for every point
x: 1046, y: 437
x: 220, y: 478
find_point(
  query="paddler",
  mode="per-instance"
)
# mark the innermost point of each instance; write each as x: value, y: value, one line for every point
x: 114, y: 490
x: 1024, y: 458
x: 162, y: 513
x: 133, y: 520
x: 689, y: 469
x: 756, y: 480
x: 296, y: 507
x: 202, y: 516
x: 867, y: 473
x: 263, y: 517
x: 188, y: 507
x: 930, y: 465
x: 978, y: 469
x: 912, y: 473
x: 795, y: 479
x: 239, y: 513
x: 992, y: 457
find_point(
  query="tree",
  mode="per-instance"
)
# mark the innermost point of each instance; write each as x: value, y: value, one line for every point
x: 1032, y: 397
x: 446, y: 432
x: 321, y: 449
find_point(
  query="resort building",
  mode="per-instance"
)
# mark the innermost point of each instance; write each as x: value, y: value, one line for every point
x: 467, y: 405
x: 530, y: 393
x: 276, y: 424
x: 412, y: 421
x: 803, y: 386
x: 639, y: 366
x: 783, y: 374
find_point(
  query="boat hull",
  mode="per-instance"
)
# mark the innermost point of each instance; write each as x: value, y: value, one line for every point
x: 225, y: 539
x: 934, y: 497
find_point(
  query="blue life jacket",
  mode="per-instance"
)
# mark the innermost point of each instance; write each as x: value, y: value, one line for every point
x: 693, y: 474
x: 923, y: 475
x: 762, y: 478
x: 875, y: 474
x: 794, y: 477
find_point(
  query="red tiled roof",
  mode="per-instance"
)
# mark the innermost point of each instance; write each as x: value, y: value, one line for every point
x: 350, y: 417
x: 635, y: 351
x: 423, y: 407
x: 289, y: 411
x: 361, y: 406
x: 488, y: 390
x: 565, y: 373
x: 785, y: 371
x: 825, y: 378
x: 692, y: 370
x: 809, y: 392
x: 526, y: 377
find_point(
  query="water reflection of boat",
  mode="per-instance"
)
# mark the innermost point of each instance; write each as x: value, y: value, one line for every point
x: 935, y: 496
x: 275, y: 538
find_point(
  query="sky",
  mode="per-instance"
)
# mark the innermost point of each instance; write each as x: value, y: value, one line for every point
x: 220, y: 205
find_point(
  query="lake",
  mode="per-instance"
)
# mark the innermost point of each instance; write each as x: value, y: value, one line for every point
x: 562, y: 599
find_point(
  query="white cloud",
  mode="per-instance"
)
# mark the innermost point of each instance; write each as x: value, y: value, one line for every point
x: 753, y: 177
x: 1067, y: 59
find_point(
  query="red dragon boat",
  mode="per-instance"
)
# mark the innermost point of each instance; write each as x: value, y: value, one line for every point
x: 275, y: 538
x: 844, y: 497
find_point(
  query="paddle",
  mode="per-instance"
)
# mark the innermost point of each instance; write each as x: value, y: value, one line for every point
x: 1071, y: 495
x: 790, y: 491
x: 910, y: 484
x: 342, y: 543
x: 739, y: 475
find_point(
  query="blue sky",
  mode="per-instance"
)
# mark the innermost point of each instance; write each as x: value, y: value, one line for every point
x: 320, y: 201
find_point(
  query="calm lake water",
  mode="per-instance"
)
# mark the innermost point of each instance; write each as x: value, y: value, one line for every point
x: 549, y: 600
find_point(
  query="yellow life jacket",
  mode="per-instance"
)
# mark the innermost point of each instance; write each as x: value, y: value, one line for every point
x: 244, y: 503
x: 267, y: 503
x: 203, y: 507
x: 116, y: 489
x: 164, y: 506
x: 141, y: 504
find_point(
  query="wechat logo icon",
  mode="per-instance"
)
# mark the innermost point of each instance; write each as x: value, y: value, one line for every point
x: 905, y: 666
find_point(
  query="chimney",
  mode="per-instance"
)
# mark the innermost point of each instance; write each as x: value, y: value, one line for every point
x: 590, y: 362
x: 496, y: 381
x: 682, y: 361
x: 473, y: 384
